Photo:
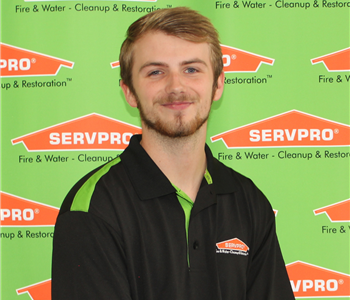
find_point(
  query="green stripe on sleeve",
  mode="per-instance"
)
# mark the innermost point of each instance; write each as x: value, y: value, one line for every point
x: 81, y: 201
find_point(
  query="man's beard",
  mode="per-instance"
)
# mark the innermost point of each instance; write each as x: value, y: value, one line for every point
x: 176, y: 128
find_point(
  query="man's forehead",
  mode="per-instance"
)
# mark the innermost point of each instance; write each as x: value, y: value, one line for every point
x: 155, y: 44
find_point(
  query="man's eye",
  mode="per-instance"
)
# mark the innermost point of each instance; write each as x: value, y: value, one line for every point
x: 191, y: 70
x: 157, y: 72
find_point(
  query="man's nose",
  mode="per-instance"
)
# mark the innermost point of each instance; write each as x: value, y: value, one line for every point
x: 175, y: 84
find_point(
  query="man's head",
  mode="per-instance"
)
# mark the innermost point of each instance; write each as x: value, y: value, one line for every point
x: 171, y: 68
x: 180, y: 22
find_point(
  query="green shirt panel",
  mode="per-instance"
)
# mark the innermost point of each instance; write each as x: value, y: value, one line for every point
x: 81, y: 201
x: 187, y: 203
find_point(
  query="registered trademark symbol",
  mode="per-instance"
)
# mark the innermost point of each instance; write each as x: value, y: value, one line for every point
x: 37, y: 210
x: 233, y: 56
x: 336, y: 130
x: 33, y: 60
x: 341, y: 281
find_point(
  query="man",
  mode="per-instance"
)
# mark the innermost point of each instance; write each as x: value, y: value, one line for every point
x: 166, y: 220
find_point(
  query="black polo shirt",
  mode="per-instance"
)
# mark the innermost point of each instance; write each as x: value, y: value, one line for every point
x: 121, y: 234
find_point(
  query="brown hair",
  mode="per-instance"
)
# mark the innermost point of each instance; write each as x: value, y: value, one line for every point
x: 181, y: 22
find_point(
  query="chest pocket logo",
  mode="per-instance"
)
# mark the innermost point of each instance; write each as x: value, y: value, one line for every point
x: 232, y: 246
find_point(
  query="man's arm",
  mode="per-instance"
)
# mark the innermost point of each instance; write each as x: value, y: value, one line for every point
x: 88, y: 260
x: 268, y: 278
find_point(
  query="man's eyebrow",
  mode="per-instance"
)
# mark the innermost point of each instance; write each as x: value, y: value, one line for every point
x: 193, y: 61
x: 147, y: 64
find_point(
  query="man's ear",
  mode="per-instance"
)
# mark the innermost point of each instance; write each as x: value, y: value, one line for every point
x: 220, y: 87
x: 129, y: 96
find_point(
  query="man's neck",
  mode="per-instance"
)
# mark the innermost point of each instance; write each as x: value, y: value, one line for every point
x: 182, y: 160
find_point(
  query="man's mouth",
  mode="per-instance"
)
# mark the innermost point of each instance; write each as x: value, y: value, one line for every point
x: 177, y: 105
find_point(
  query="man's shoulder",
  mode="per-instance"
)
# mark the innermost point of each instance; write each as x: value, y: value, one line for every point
x: 80, y: 195
x: 228, y: 177
x: 243, y: 188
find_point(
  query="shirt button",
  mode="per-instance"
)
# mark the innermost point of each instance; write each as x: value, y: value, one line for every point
x: 195, y: 245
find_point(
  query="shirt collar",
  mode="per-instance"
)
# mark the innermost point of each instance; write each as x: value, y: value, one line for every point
x: 150, y: 182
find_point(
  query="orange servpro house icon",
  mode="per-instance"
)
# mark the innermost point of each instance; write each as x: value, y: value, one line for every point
x: 310, y: 281
x: 235, y: 60
x: 37, y: 291
x: 338, y: 61
x: 19, y: 62
x: 90, y: 132
x: 19, y: 212
x: 337, y: 212
x: 290, y: 129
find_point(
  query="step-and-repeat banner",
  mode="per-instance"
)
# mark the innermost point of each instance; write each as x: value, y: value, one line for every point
x: 283, y: 121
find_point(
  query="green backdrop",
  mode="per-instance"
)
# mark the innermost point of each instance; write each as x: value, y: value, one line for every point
x: 87, y: 35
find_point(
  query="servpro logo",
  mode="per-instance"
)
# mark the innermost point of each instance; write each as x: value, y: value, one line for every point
x: 232, y: 246
x: 337, y: 212
x: 16, y: 211
x: 37, y: 291
x: 310, y: 281
x: 90, y: 132
x: 290, y: 129
x: 338, y: 61
x: 18, y: 62
x: 235, y: 60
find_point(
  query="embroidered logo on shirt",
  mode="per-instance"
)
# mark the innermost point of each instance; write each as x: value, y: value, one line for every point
x: 233, y: 246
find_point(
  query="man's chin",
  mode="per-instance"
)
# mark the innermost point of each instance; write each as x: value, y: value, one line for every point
x: 172, y: 133
x: 175, y: 131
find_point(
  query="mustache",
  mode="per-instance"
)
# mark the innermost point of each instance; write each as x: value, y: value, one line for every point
x: 176, y: 98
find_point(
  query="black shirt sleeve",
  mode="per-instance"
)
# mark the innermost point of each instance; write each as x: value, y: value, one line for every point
x: 267, y: 277
x: 88, y: 260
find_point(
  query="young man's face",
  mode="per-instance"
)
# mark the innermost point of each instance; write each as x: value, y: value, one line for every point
x: 173, y: 81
